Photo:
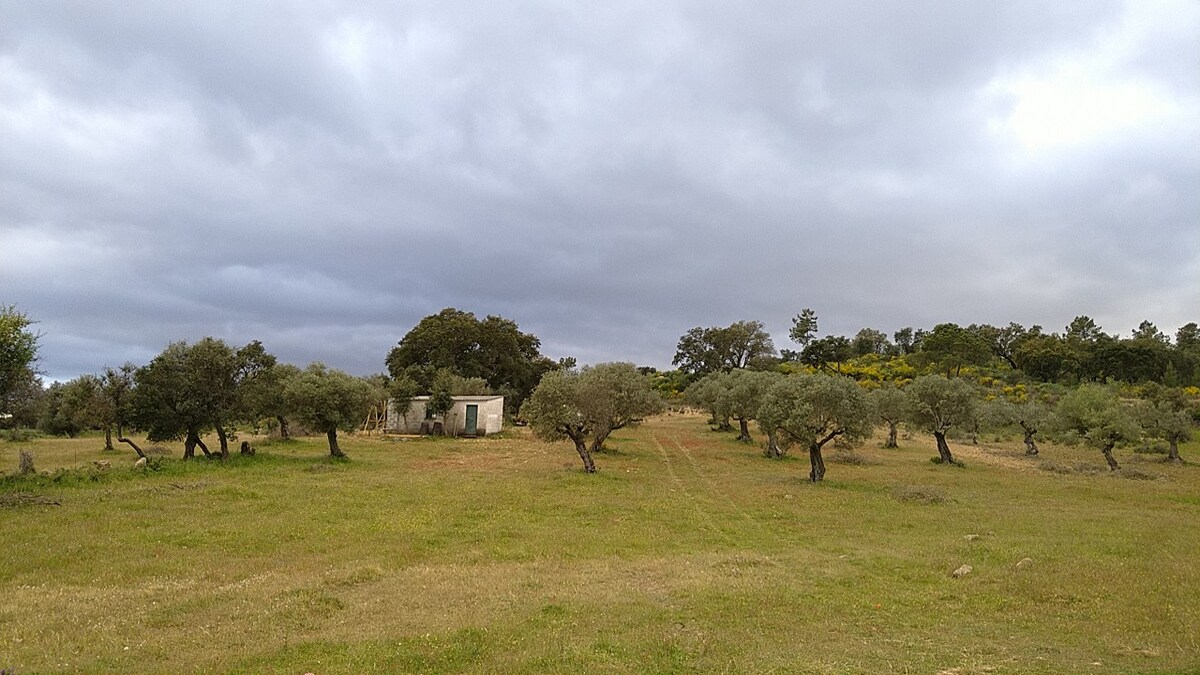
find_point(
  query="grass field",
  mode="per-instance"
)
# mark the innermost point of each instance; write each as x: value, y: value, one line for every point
x: 687, y: 552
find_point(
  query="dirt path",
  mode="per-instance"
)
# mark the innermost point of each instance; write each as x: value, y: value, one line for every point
x: 699, y: 488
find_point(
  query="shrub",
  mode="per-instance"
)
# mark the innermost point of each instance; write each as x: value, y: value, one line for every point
x: 958, y: 462
x: 849, y: 457
x: 20, y: 435
x: 26, y: 463
x: 1151, y: 449
x: 1134, y: 473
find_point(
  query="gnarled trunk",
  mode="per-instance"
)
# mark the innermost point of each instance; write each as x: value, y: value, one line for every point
x: 943, y: 448
x: 818, y: 463
x: 598, y: 441
x: 891, y: 439
x: 224, y: 438
x: 581, y: 447
x: 773, y: 450
x: 334, y: 450
x: 1173, y: 452
x: 283, y: 427
x: 744, y: 430
x: 192, y: 441
x: 1108, y: 456
x: 108, y: 438
x: 1030, y: 447
x: 131, y: 444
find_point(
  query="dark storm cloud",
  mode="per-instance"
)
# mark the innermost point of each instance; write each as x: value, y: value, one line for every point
x: 322, y: 177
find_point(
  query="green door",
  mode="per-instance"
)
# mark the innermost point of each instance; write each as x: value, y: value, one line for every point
x: 472, y: 420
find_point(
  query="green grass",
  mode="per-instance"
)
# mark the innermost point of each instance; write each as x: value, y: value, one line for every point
x: 687, y: 552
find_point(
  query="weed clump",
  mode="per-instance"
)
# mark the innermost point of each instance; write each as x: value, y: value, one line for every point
x: 919, y: 494
x: 1135, y: 473
x: 26, y: 464
x: 958, y: 462
x: 850, y: 457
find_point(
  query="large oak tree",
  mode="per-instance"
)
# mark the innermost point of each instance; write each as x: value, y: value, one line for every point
x: 493, y: 349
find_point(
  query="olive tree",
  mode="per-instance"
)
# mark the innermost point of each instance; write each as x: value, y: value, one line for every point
x: 189, y: 389
x: 116, y: 386
x: 891, y: 406
x: 705, y: 393
x: 811, y: 410
x: 1166, y: 421
x: 18, y: 352
x: 622, y: 396
x: 586, y: 405
x: 73, y: 406
x: 741, y: 394
x: 1096, y: 414
x: 1030, y: 415
x: 170, y: 399
x: 328, y: 400
x: 940, y: 403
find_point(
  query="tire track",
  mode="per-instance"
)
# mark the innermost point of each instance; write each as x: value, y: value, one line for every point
x: 712, y: 492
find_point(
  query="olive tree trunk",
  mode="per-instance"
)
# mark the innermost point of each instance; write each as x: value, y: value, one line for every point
x: 818, y: 463
x: 283, y: 427
x: 744, y: 430
x: 224, y: 438
x: 1173, y: 452
x: 891, y: 439
x: 130, y: 443
x: 943, y: 448
x: 589, y: 466
x: 773, y: 450
x: 1031, y: 447
x: 334, y: 450
x: 1108, y: 456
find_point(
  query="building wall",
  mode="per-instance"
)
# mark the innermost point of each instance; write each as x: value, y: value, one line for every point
x: 490, y: 420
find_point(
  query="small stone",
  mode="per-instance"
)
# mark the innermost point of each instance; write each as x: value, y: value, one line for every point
x: 1024, y: 562
x: 102, y: 464
x: 971, y: 537
x: 961, y: 572
x: 140, y: 464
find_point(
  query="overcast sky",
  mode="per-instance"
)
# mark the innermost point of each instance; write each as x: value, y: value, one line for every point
x: 319, y: 176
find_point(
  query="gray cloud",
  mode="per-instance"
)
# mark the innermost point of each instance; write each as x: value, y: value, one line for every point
x: 320, y: 178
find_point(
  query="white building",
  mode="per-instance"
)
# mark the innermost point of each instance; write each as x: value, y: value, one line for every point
x: 470, y: 416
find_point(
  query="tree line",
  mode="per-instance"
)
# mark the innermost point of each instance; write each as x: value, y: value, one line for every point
x: 1099, y: 389
x: 1104, y: 390
x: 191, y: 390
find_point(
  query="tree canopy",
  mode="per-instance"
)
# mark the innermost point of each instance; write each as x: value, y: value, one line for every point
x: 715, y: 349
x: 493, y: 349
x: 586, y: 405
x: 939, y: 403
x: 18, y: 352
x: 1096, y: 414
x: 328, y: 400
x: 191, y: 388
x: 811, y: 410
